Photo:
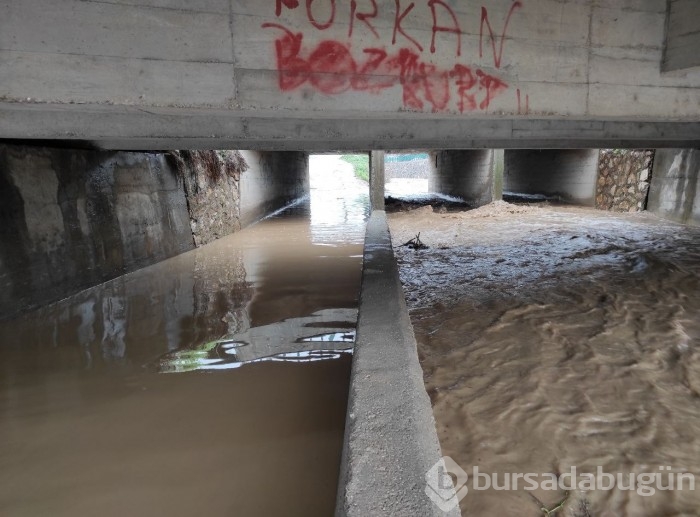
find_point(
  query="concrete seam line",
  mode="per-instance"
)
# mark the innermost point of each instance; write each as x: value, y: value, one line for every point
x: 390, y: 436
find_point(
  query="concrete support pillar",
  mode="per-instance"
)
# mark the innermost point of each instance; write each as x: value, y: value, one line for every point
x: 465, y: 174
x: 567, y: 174
x: 675, y: 185
x: 376, y: 180
x: 497, y: 165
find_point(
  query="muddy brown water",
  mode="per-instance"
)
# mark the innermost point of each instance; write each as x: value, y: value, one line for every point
x: 214, y: 383
x: 554, y: 338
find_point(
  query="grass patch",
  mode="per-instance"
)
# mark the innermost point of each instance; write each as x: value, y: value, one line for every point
x: 360, y: 163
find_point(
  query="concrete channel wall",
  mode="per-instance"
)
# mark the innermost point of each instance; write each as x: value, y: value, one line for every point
x: 273, y: 180
x: 675, y: 185
x: 568, y: 174
x: 391, y: 441
x: 72, y: 218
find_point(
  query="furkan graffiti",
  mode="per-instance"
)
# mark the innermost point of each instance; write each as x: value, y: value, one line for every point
x: 333, y: 67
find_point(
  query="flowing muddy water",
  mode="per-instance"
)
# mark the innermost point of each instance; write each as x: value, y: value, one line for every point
x: 214, y: 383
x: 554, y: 338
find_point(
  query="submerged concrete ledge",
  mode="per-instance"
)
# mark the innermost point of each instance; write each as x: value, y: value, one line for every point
x: 390, y: 436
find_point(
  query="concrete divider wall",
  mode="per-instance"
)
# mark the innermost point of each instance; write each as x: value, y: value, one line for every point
x: 675, y: 185
x: 390, y: 441
x: 568, y: 174
x: 273, y: 180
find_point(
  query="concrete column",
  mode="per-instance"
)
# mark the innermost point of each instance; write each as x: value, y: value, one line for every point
x: 376, y: 180
x: 675, y: 185
x: 568, y: 174
x: 498, y: 164
x: 465, y: 174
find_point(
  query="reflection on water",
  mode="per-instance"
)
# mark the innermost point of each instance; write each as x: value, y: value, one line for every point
x: 343, y: 337
x: 340, y: 201
x: 218, y: 356
x: 406, y: 188
x: 90, y: 428
x: 553, y: 338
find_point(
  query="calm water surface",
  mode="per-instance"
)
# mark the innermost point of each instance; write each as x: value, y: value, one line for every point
x: 214, y: 383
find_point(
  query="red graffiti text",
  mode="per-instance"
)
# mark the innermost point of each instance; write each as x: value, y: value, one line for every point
x: 331, y: 68
x: 394, y: 57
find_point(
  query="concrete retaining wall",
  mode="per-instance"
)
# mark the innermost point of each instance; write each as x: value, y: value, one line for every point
x: 390, y: 442
x: 464, y: 174
x: 568, y: 174
x: 70, y: 219
x: 272, y: 180
x: 675, y: 185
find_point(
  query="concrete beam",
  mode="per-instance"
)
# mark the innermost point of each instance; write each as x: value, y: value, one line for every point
x: 144, y: 74
x: 390, y: 441
x: 136, y: 128
x: 376, y: 180
x: 583, y: 59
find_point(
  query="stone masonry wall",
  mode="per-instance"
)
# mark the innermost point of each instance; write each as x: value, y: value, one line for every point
x: 212, y: 187
x: 623, y: 179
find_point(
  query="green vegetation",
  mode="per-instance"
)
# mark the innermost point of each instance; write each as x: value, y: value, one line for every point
x: 361, y: 164
x: 406, y: 157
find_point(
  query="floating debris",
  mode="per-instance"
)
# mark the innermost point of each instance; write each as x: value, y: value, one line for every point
x: 415, y: 243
